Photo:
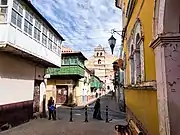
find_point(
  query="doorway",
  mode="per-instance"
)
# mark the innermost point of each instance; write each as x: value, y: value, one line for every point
x: 36, y: 96
x: 61, y: 94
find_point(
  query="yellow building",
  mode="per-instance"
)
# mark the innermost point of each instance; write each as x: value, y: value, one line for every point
x: 139, y: 59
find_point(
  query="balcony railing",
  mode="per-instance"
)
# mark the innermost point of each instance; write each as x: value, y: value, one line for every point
x: 67, y: 70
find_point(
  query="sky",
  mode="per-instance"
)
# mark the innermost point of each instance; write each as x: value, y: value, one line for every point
x: 84, y: 24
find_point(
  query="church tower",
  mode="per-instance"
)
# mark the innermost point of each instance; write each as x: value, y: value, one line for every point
x: 99, y: 62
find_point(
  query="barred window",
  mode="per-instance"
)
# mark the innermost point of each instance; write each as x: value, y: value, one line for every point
x: 28, y: 27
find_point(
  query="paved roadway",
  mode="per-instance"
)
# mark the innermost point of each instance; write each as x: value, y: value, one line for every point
x: 62, y: 126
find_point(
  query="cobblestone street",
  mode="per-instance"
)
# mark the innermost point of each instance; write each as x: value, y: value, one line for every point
x: 62, y: 126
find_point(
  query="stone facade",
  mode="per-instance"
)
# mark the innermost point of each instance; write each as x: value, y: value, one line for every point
x: 101, y: 64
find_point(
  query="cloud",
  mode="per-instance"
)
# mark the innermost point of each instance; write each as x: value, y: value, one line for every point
x: 83, y: 23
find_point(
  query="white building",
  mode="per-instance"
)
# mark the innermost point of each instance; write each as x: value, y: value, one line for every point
x: 28, y: 45
x: 101, y: 63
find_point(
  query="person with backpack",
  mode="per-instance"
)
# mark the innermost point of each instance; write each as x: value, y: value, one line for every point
x: 51, y: 109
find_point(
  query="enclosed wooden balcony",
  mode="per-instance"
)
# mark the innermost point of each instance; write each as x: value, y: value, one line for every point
x: 67, y: 71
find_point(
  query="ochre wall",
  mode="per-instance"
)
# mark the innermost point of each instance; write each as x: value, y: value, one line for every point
x: 143, y: 103
x: 146, y: 18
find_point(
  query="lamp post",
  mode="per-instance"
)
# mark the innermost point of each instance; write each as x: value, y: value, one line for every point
x: 118, y: 88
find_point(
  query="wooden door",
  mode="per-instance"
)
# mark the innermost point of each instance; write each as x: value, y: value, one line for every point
x: 62, y: 94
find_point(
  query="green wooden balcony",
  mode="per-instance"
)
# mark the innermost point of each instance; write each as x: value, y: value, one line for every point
x: 68, y: 70
x: 95, y: 83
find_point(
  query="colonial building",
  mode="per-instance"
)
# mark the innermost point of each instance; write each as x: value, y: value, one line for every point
x: 139, y: 64
x: 151, y: 42
x: 28, y: 45
x: 68, y: 84
x: 101, y: 63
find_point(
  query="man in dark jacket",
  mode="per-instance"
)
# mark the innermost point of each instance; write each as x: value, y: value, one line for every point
x: 97, y: 110
x: 51, y: 108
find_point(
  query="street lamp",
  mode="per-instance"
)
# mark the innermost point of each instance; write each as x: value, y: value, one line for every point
x: 112, y: 43
x: 112, y: 40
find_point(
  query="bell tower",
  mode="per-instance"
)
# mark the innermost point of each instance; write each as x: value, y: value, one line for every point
x: 99, y: 62
x: 99, y: 55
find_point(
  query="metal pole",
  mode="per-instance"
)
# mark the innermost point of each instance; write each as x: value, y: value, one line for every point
x: 86, y: 115
x: 107, y: 114
x: 70, y: 120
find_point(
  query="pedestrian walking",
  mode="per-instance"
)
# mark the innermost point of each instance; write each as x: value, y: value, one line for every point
x: 51, y: 109
x: 97, y: 110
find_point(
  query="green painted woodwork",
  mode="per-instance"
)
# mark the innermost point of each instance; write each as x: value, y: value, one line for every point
x: 95, y: 82
x: 67, y: 70
x: 72, y: 64
x: 72, y: 60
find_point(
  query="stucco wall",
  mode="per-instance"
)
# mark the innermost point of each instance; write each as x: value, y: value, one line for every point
x: 17, y: 79
x: 144, y: 11
x: 143, y: 104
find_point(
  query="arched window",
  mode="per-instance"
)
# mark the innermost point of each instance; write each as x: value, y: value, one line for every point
x: 137, y: 40
x: 99, y: 61
x: 97, y: 54
x: 138, y: 59
x: 132, y: 66
x: 101, y: 54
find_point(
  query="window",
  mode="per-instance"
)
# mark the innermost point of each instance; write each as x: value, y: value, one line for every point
x: 66, y: 61
x: 16, y: 18
x: 73, y: 61
x: 50, y: 36
x: 59, y: 42
x: 3, y: 14
x: 54, y: 47
x: 97, y: 54
x: 55, y: 40
x: 37, y: 24
x: 44, y: 30
x: 37, y: 34
x: 28, y: 27
x: 50, y: 41
x: 101, y: 54
x: 99, y: 61
x: 29, y: 17
x: 3, y: 2
x: 44, y: 39
x: 44, y: 35
x: 59, y: 50
x: 18, y: 7
x: 132, y: 65
x: 50, y: 44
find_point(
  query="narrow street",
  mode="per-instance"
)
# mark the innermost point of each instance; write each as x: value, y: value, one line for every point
x: 62, y: 126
